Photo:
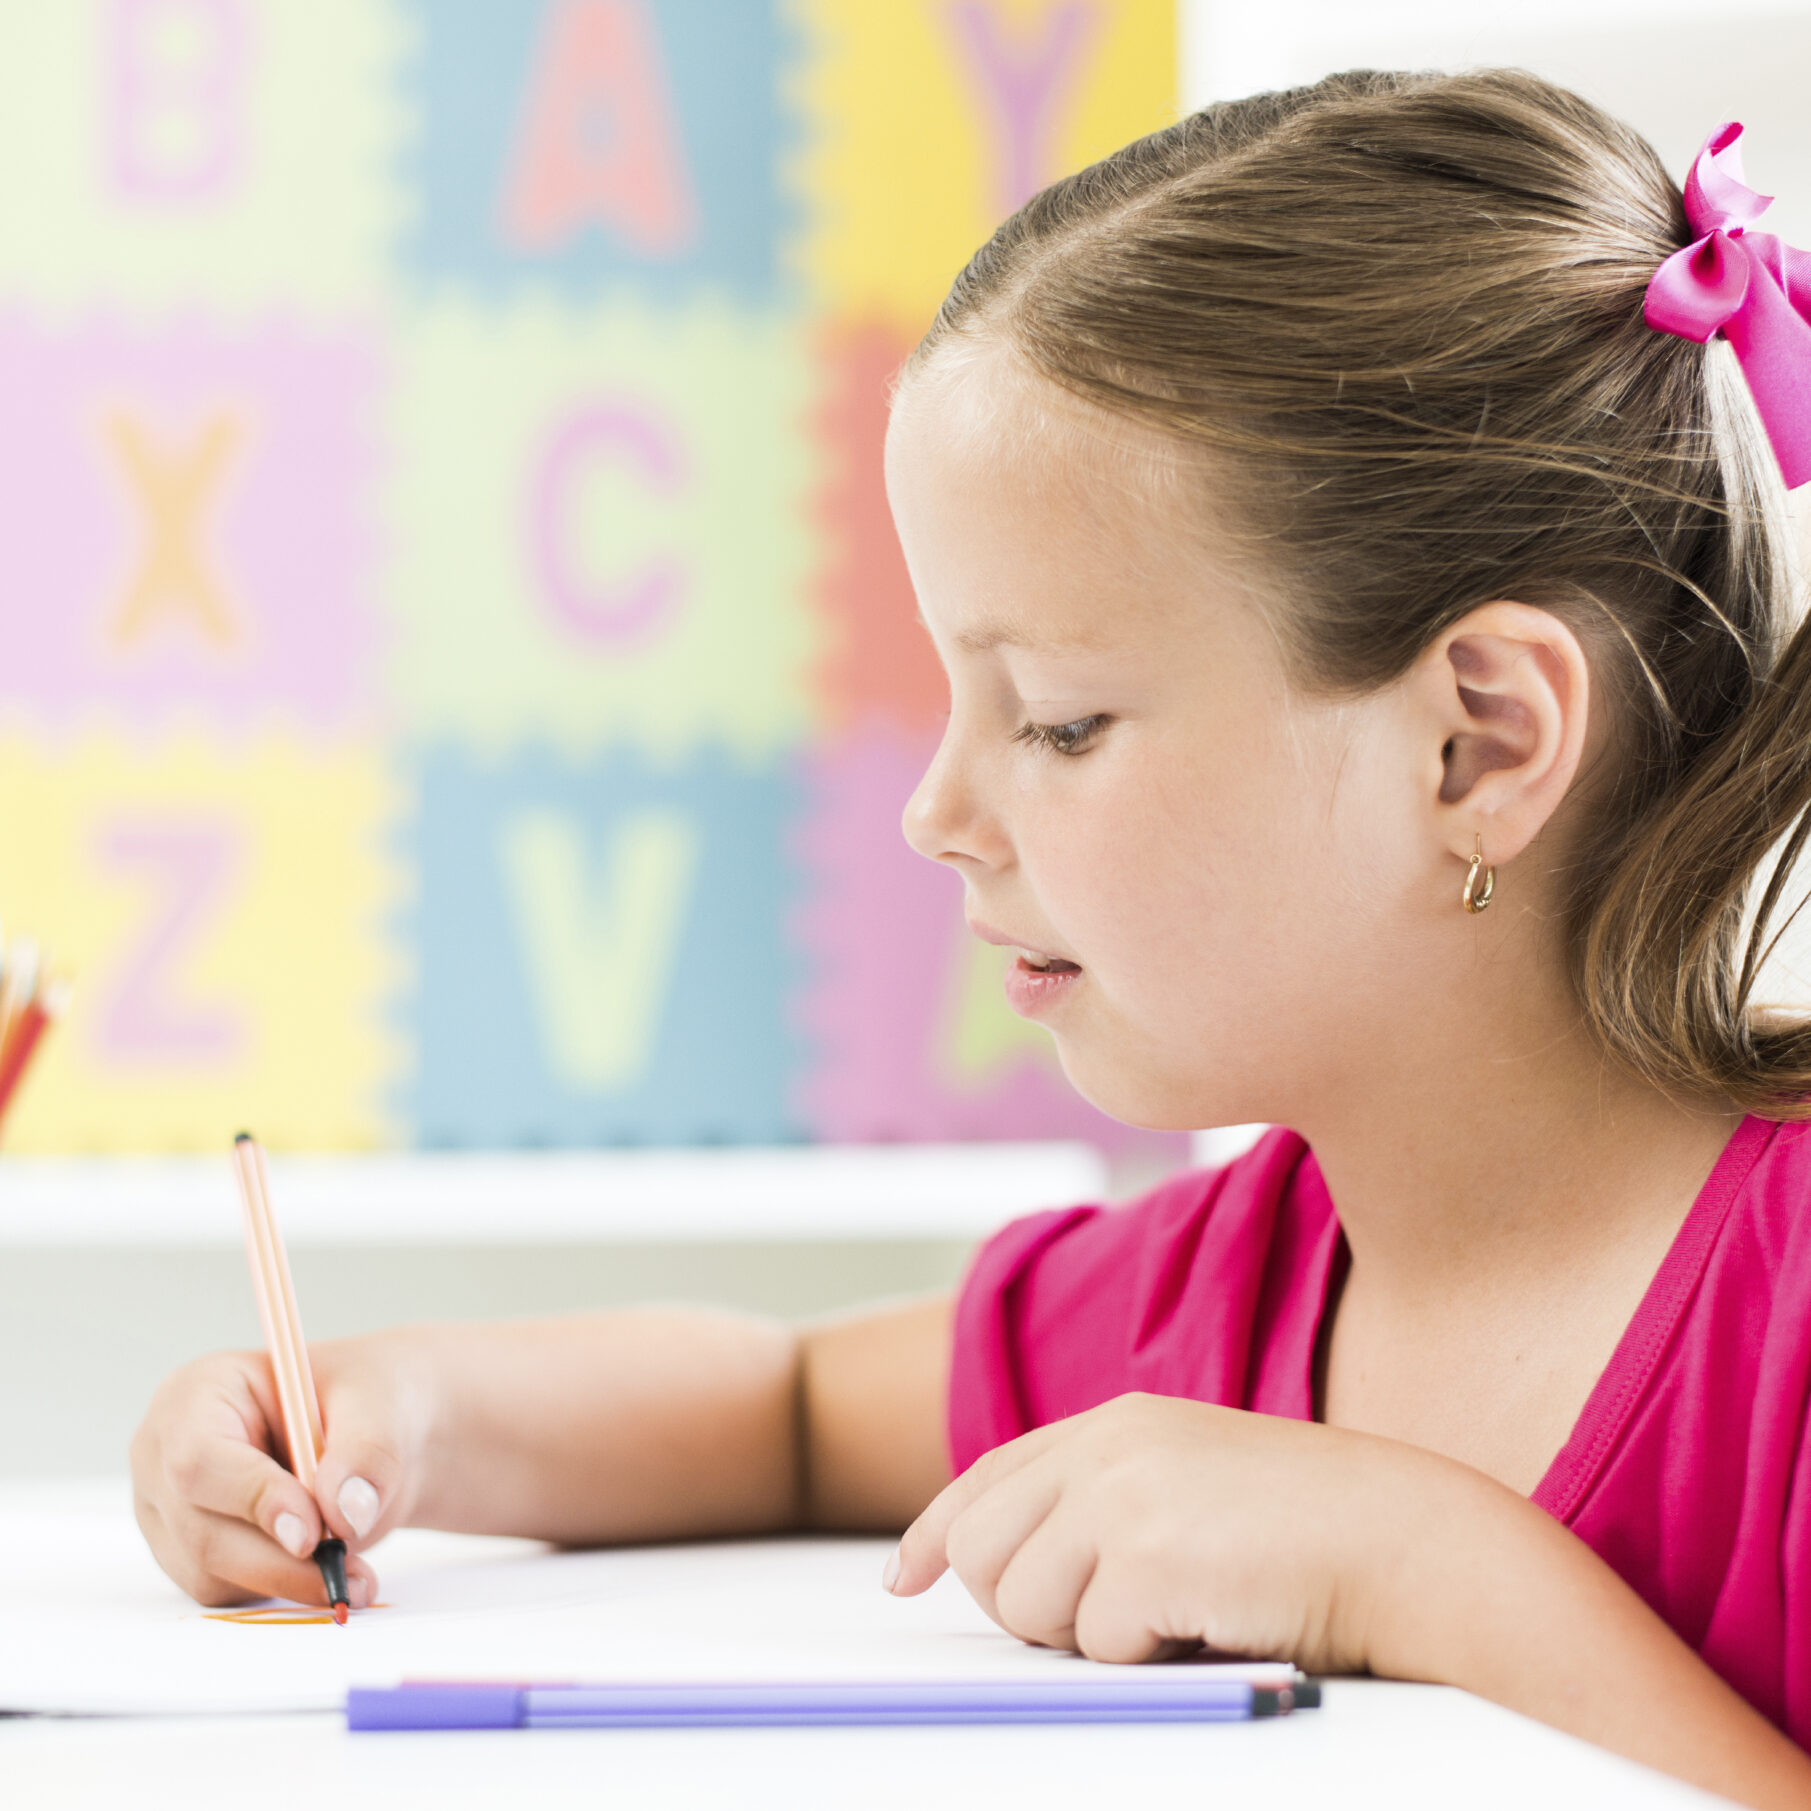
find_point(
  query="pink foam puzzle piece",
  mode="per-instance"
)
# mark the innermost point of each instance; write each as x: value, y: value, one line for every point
x: 189, y: 523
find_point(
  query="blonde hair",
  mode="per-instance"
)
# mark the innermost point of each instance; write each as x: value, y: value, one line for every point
x: 1406, y: 310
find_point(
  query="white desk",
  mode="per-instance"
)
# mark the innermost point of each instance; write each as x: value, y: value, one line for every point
x: 71, y: 1551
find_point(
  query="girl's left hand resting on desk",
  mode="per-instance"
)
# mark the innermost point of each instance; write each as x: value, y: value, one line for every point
x: 1151, y: 1525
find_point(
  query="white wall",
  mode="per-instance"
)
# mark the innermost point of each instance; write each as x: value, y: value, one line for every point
x: 1672, y: 68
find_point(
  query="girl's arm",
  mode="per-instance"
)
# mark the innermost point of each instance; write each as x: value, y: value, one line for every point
x: 1151, y: 1521
x: 1500, y: 1599
x: 662, y: 1423
x: 641, y: 1424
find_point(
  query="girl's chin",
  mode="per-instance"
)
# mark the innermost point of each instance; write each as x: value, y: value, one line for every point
x: 1090, y: 1069
x: 1114, y: 1081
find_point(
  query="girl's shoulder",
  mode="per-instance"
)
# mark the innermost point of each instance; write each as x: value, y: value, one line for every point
x: 1208, y: 1286
x: 1222, y: 1219
x: 1770, y: 1189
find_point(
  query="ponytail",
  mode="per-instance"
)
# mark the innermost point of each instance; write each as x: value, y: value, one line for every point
x: 1672, y: 946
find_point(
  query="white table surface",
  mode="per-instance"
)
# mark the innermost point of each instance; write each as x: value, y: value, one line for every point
x: 1371, y: 1744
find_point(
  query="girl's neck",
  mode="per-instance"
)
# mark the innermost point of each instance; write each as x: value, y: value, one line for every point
x: 1464, y: 1159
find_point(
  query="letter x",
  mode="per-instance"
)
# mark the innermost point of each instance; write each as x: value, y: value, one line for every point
x: 174, y: 486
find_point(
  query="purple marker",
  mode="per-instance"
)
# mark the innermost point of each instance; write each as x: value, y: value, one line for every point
x: 1154, y: 1697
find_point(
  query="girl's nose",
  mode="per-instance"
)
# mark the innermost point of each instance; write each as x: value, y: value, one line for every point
x: 943, y: 818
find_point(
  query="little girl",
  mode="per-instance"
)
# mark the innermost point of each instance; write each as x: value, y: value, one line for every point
x: 1365, y: 605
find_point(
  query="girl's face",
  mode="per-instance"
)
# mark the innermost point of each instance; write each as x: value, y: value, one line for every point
x: 1215, y: 883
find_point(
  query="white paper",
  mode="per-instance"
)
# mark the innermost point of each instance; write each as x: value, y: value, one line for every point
x: 88, y: 1625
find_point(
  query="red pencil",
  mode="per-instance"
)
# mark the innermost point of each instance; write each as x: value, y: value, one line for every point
x: 18, y: 987
x: 43, y: 1009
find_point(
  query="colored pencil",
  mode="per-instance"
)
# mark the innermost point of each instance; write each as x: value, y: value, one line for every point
x: 18, y: 984
x: 31, y: 1001
x: 20, y: 1041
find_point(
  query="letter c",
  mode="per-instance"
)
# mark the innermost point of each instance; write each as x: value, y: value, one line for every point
x: 631, y: 609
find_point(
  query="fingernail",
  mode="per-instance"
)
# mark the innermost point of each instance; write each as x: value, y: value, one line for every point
x: 358, y: 1504
x: 890, y: 1577
x: 358, y: 1591
x: 292, y: 1531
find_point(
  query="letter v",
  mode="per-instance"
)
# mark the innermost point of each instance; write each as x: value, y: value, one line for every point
x: 598, y: 967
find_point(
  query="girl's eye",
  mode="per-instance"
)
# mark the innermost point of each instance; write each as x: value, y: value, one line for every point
x: 1063, y: 738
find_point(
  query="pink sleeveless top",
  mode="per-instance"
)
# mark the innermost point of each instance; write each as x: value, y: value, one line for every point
x: 1689, y: 1471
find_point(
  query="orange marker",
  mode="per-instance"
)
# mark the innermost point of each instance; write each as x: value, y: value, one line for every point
x: 276, y: 1295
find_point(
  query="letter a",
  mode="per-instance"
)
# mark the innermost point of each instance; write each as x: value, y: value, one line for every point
x: 599, y: 140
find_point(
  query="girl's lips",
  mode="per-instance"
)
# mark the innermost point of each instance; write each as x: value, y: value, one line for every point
x: 1031, y: 991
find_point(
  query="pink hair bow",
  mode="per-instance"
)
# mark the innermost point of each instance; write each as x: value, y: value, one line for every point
x: 1753, y: 288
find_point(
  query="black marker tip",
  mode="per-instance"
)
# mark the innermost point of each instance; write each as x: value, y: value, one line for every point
x: 330, y: 1556
x: 243, y: 1138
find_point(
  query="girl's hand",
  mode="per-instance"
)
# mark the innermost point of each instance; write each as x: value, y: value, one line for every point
x: 224, y: 1518
x: 1151, y: 1524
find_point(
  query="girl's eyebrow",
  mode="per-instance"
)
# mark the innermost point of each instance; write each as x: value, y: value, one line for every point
x: 999, y: 632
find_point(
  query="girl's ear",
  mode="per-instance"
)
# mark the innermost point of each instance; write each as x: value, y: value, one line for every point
x: 1507, y: 691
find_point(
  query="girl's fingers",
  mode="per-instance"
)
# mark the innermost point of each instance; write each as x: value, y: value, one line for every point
x: 230, y: 1478
x: 356, y: 1484
x: 1038, y: 1594
x: 224, y: 1518
x: 361, y: 1583
x: 225, y: 1560
x: 1110, y: 1625
x: 984, y: 1540
x: 923, y: 1553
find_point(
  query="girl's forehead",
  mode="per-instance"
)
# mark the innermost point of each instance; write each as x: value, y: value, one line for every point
x: 1017, y: 500
x: 978, y: 404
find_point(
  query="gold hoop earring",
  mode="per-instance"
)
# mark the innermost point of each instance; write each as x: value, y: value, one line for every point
x: 1474, y: 897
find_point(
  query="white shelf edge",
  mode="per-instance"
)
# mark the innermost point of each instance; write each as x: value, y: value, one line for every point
x: 553, y: 1197
x: 1221, y: 1144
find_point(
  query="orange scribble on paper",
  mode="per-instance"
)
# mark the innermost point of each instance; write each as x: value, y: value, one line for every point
x: 284, y: 1616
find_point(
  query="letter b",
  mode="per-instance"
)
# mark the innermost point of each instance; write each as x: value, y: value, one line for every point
x: 178, y: 97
